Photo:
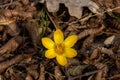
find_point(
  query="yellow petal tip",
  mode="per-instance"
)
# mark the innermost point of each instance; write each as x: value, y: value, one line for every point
x: 71, y: 40
x: 47, y: 43
x: 58, y: 36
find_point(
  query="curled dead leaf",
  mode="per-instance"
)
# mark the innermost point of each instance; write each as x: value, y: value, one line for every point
x: 94, y: 54
x: 101, y: 75
x: 42, y: 72
x: 58, y: 73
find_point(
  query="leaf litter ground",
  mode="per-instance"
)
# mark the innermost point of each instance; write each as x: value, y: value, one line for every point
x: 24, y: 22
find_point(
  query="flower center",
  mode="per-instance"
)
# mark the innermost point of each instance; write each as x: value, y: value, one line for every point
x: 59, y: 48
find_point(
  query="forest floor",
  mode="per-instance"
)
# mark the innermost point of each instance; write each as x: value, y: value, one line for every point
x: 23, y: 23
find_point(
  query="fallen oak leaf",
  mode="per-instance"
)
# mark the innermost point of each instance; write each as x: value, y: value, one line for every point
x: 94, y: 54
x: 75, y: 7
x: 11, y: 45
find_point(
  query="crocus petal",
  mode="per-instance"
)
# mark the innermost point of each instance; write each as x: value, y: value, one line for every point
x: 70, y: 53
x: 61, y: 60
x: 48, y: 43
x: 50, y: 54
x: 58, y: 36
x: 70, y: 41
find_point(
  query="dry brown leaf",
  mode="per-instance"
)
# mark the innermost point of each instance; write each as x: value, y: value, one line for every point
x: 11, y: 45
x: 94, y: 54
x: 42, y: 72
x: 109, y: 40
x: 87, y: 42
x: 13, y: 29
x: 101, y: 75
x: 58, y: 74
x: 28, y: 77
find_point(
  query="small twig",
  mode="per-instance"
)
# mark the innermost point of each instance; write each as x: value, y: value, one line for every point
x: 52, y: 20
x: 109, y: 10
x: 50, y: 73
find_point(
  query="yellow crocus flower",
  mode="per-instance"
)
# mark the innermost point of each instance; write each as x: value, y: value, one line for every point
x: 60, y: 48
